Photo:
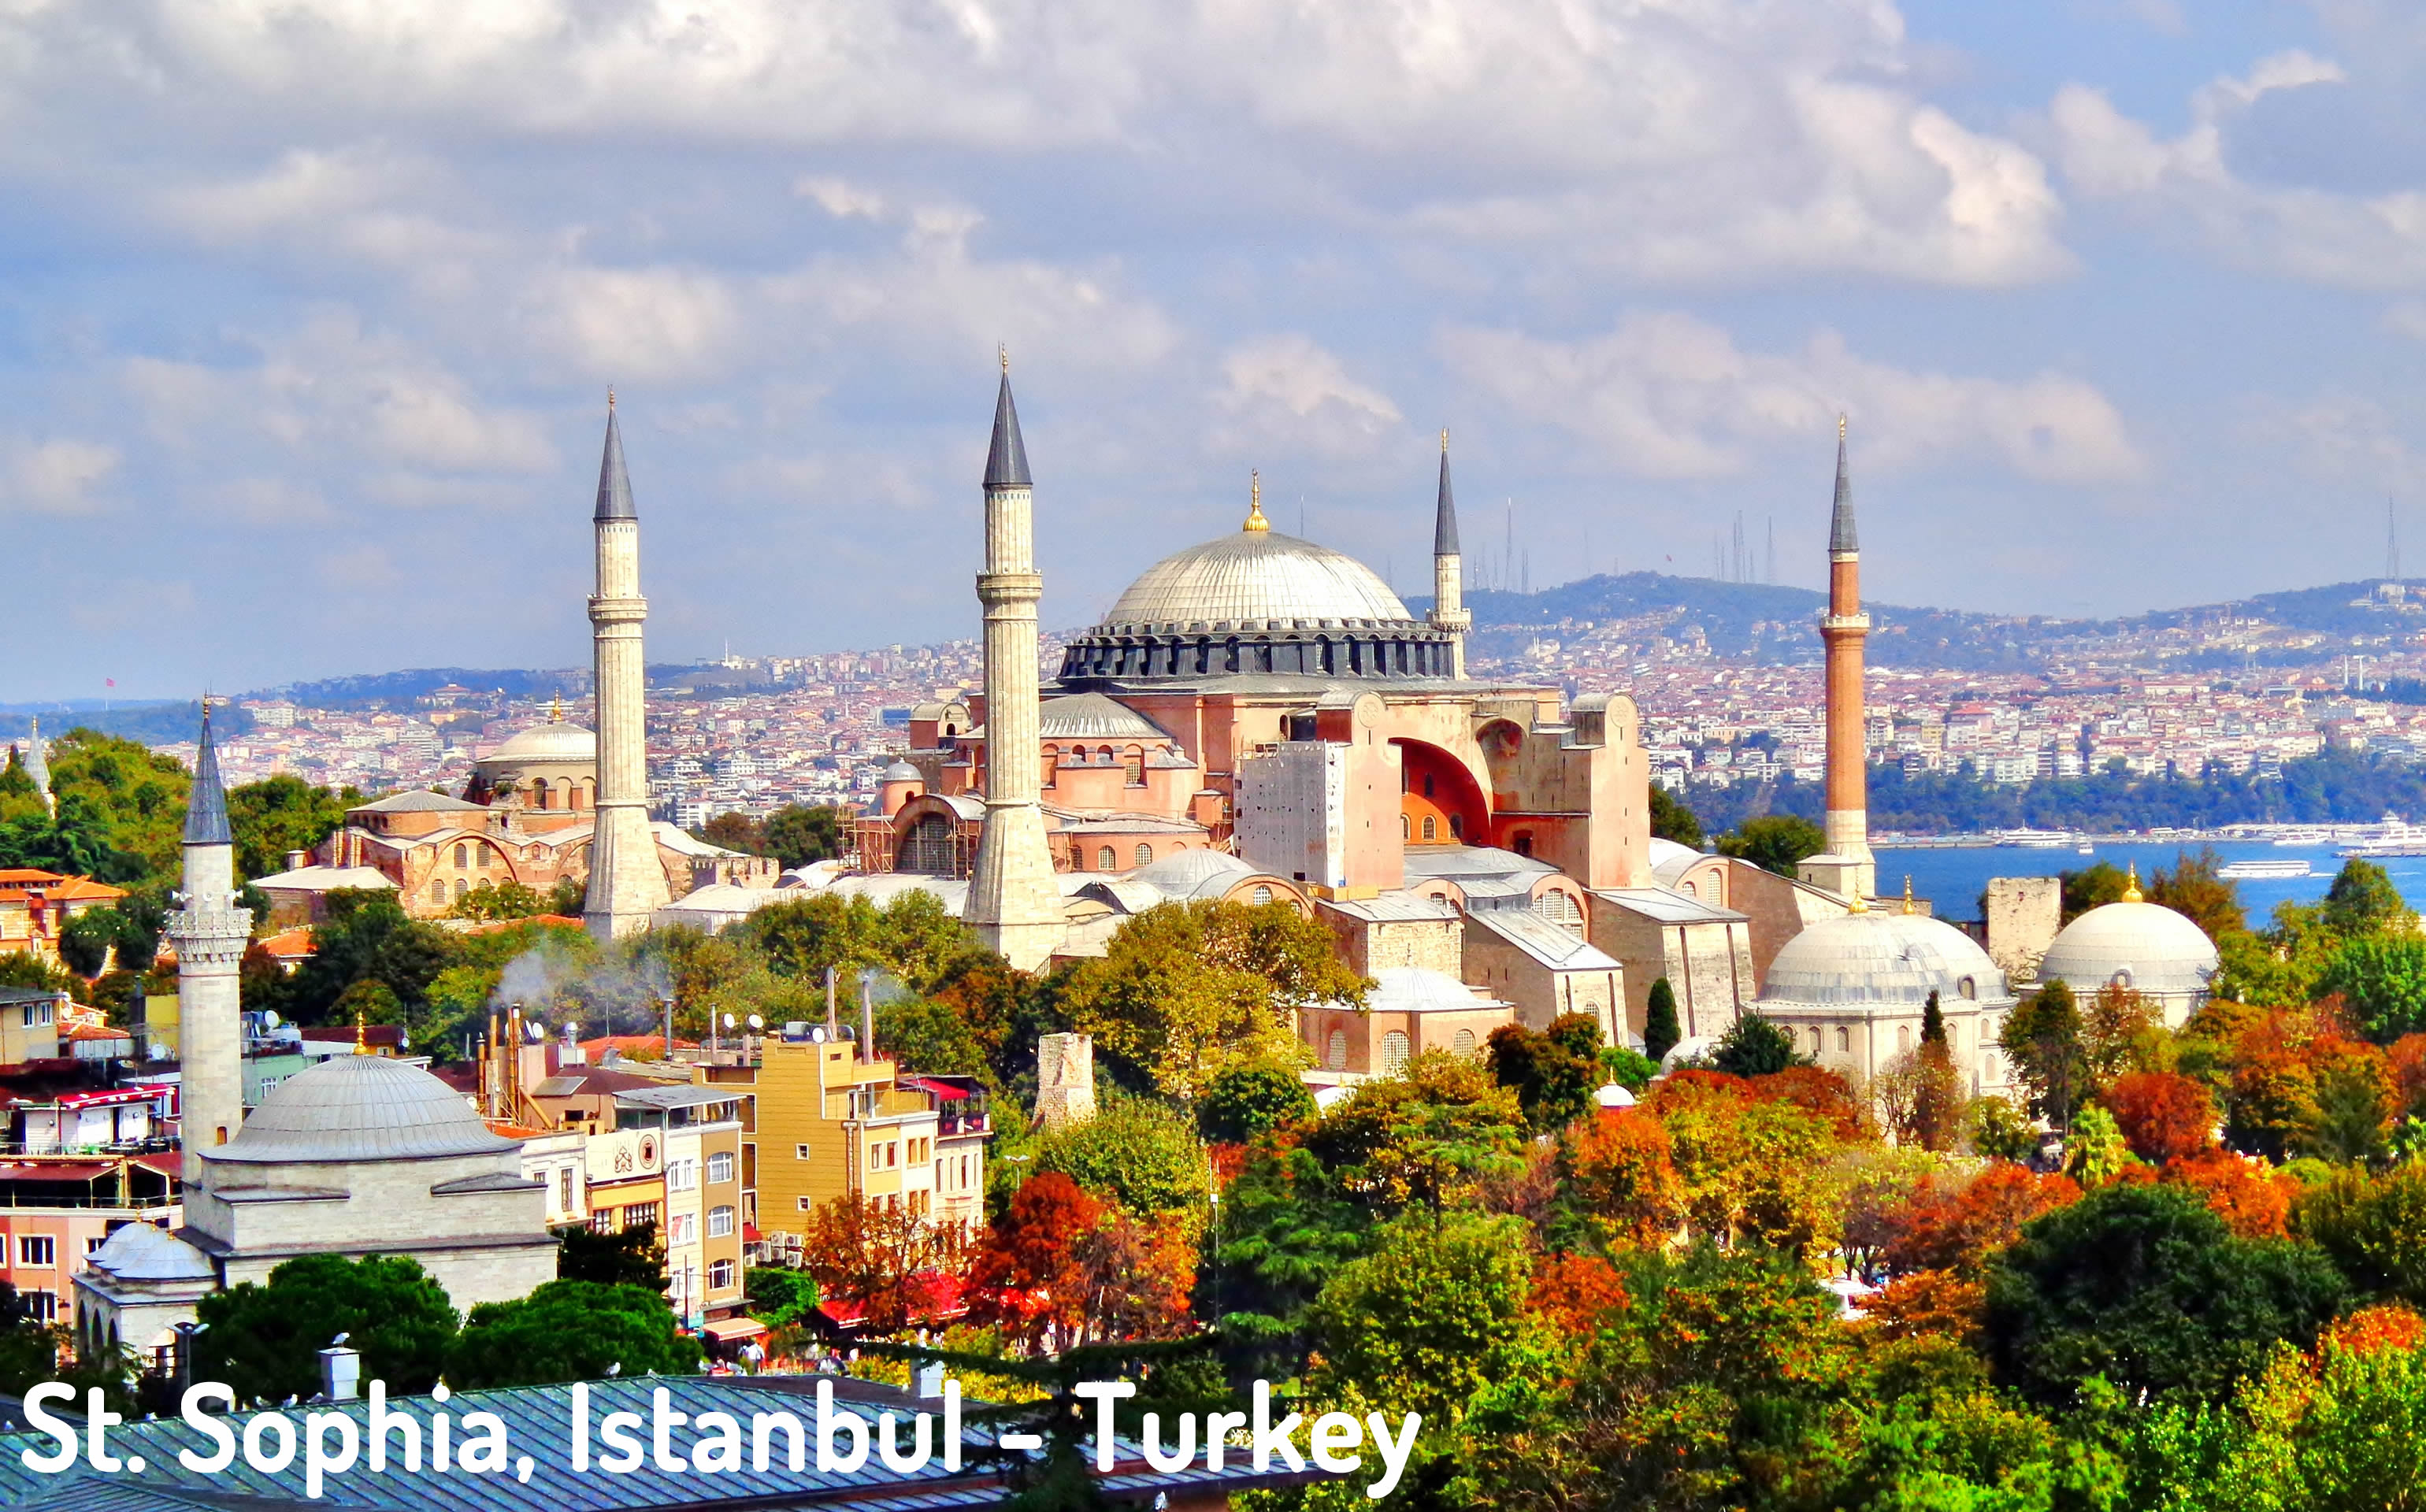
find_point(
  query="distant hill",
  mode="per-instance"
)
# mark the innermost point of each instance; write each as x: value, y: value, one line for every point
x: 163, y: 723
x: 1773, y: 624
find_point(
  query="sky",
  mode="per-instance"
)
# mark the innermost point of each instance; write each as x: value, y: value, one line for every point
x: 308, y: 308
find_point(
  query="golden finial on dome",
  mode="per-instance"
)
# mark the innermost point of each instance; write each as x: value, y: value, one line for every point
x: 556, y: 710
x: 1859, y: 904
x: 1255, y: 521
x: 362, y: 1034
x: 1840, y: 425
x: 1003, y: 351
x: 611, y: 396
x: 1908, y: 905
x: 2131, y: 884
x: 1444, y: 440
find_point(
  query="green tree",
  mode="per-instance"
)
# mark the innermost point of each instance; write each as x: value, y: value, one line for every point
x: 2042, y: 1038
x: 2382, y: 979
x: 1752, y: 1046
x: 628, y: 1256
x: 264, y: 1337
x: 569, y: 1331
x: 923, y: 1035
x: 1138, y: 1155
x: 2363, y: 900
x: 500, y: 900
x: 1245, y: 1101
x: 1629, y: 1069
x: 2146, y: 1286
x: 2197, y: 888
x: 2094, y: 1148
x: 1553, y: 1071
x: 278, y: 814
x: 1672, y: 820
x: 1774, y: 842
x: 1997, y: 1130
x: 798, y: 834
x: 2091, y: 887
x: 2374, y: 1228
x: 367, y: 934
x: 1660, y: 1030
x: 1186, y: 989
x: 734, y: 831
x: 779, y: 1298
x: 1434, y: 1314
x: 1428, y: 1135
x: 1938, y: 1083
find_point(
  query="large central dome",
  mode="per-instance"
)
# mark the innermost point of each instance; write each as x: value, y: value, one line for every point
x: 1256, y: 576
x: 1257, y: 605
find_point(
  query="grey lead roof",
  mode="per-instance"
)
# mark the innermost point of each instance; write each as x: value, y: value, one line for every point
x: 1840, y: 522
x: 614, y: 484
x: 206, y: 815
x: 1006, y: 458
x: 1444, y: 518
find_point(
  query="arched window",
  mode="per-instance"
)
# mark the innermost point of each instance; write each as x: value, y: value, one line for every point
x: 1428, y: 784
x: 1523, y: 845
x: 1457, y: 827
x: 1560, y: 909
x: 1463, y: 1046
x: 1689, y: 892
x: 1432, y: 828
x: 1103, y: 755
x: 1105, y: 860
x: 1844, y: 1038
x: 463, y: 857
x: 928, y: 849
x: 1903, y: 1037
x: 539, y: 793
x: 1145, y: 855
x: 1335, y: 1054
x: 461, y: 887
x: 438, y: 891
x: 1261, y: 896
x: 1394, y: 1053
x: 2122, y: 979
x: 1969, y: 988
x: 1135, y: 763
x: 1406, y: 828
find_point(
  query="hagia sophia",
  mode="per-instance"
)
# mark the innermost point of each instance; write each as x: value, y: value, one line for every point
x: 1260, y: 718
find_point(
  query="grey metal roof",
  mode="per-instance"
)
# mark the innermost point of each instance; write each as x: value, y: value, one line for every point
x: 1193, y: 873
x: 2149, y: 946
x: 1459, y: 863
x: 676, y: 1097
x: 144, y: 1252
x: 1260, y: 577
x: 1007, y: 456
x: 614, y: 484
x: 1074, y: 716
x: 206, y: 815
x: 1663, y: 907
x: 1547, y: 942
x: 1445, y: 513
x: 418, y: 800
x: 1884, y: 959
x: 1421, y: 989
x: 1841, y: 519
x: 360, y: 1108
x: 1392, y: 908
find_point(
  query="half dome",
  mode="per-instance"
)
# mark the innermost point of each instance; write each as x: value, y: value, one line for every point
x: 360, y: 1108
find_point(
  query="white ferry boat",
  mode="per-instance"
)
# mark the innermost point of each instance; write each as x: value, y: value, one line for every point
x: 2272, y: 870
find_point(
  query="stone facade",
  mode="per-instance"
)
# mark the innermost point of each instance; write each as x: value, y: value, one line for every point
x: 2024, y: 913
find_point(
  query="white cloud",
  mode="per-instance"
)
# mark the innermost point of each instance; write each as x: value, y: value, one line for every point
x: 1287, y: 393
x: 60, y: 477
x: 660, y: 323
x: 1665, y: 395
x: 2365, y: 241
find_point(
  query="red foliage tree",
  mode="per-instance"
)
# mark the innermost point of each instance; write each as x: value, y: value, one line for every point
x: 1816, y: 1089
x: 2370, y: 1330
x: 2408, y: 1057
x: 1957, y: 1229
x: 1028, y: 1275
x: 1576, y: 1292
x: 1621, y: 1166
x: 2252, y: 1199
x: 2163, y: 1117
x: 1929, y: 1302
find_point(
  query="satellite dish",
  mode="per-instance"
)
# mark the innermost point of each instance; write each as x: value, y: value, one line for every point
x: 728, y: 1021
x: 272, y: 1020
x: 757, y: 1022
x: 537, y: 1030
x: 817, y: 1034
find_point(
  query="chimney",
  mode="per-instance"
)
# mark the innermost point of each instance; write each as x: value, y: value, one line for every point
x: 931, y: 1378
x: 341, y: 1373
x: 298, y: 860
x: 834, y: 1025
x: 866, y: 1019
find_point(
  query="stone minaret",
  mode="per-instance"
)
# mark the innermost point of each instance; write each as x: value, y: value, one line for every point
x: 1014, y: 905
x: 209, y: 929
x: 626, y: 884
x: 1848, y: 866
x: 1448, y: 571
x: 36, y: 761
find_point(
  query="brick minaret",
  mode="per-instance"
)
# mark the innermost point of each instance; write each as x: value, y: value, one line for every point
x: 1448, y: 571
x: 1847, y: 866
x: 1014, y: 905
x: 626, y: 883
x: 209, y: 929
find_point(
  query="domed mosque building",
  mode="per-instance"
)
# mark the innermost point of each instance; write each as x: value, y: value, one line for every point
x: 359, y: 1155
x: 1271, y: 702
x: 2137, y: 945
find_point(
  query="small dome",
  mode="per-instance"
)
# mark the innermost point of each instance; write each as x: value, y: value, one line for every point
x: 1421, y: 989
x: 142, y: 1252
x: 1662, y: 852
x: 901, y: 772
x: 1191, y: 874
x: 1258, y: 575
x: 2144, y: 946
x: 1882, y: 958
x: 555, y: 741
x: 360, y: 1107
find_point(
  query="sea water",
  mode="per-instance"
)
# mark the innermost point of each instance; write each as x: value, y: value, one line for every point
x: 1953, y: 878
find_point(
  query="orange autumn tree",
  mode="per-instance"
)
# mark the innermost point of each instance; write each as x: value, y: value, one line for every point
x: 1063, y: 1268
x: 1621, y: 1166
x: 888, y: 1260
x: 1955, y: 1230
x: 2253, y: 1200
x: 2164, y: 1116
x: 1577, y: 1293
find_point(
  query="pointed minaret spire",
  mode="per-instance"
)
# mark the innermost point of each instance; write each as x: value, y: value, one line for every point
x: 36, y: 761
x: 1448, y: 571
x: 206, y: 812
x: 1840, y: 520
x: 1006, y: 458
x: 614, y: 485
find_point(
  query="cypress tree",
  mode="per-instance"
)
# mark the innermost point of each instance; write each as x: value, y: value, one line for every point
x: 1660, y: 1031
x: 1932, y: 1023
